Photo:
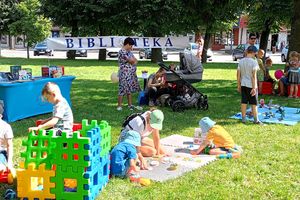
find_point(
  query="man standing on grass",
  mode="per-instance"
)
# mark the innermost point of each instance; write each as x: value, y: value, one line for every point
x: 247, y: 83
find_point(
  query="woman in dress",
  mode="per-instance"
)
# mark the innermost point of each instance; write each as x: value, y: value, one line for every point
x: 128, y: 81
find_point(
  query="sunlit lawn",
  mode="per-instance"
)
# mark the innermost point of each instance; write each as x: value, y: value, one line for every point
x: 269, y: 168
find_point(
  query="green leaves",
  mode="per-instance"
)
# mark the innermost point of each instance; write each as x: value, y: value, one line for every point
x: 8, y: 14
x: 278, y: 12
x: 32, y: 24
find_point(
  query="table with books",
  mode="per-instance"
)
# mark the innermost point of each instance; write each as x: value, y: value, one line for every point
x: 22, y: 98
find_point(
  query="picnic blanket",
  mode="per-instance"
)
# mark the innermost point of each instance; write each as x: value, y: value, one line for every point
x: 272, y: 114
x: 180, y: 161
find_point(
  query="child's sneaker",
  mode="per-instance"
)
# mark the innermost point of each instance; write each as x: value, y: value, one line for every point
x: 138, y: 107
x: 119, y: 108
x: 132, y: 107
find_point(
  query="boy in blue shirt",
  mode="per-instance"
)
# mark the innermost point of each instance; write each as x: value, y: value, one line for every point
x: 124, y: 155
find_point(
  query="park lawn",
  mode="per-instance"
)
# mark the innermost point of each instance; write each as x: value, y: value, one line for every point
x: 268, y: 169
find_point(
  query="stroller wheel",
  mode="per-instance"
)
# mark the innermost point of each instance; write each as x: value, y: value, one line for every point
x: 178, y: 106
x: 202, y: 104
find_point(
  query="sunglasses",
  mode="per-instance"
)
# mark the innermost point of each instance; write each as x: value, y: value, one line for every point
x: 253, y: 38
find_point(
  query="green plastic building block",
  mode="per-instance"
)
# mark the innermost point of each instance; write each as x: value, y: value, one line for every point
x: 72, y: 151
x: 39, y: 149
x: 86, y: 126
x: 82, y: 189
x: 105, y: 131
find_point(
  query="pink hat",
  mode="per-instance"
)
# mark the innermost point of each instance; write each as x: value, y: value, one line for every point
x: 278, y: 74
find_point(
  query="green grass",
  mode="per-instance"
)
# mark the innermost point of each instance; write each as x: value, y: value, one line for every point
x: 269, y: 168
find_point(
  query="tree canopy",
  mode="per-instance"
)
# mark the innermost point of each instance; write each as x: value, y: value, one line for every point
x: 8, y: 14
x: 213, y: 16
x: 145, y: 18
x: 33, y: 25
x: 266, y: 16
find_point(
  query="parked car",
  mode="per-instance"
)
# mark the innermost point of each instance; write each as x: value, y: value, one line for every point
x: 284, y: 54
x: 42, y: 49
x: 239, y: 51
x: 78, y: 53
x: 146, y: 53
x: 112, y: 52
x: 193, y: 47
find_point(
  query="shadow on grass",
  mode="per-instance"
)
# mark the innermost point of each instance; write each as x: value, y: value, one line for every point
x: 66, y: 62
x: 97, y: 99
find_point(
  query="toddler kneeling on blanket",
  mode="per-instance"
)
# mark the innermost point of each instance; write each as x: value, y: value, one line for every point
x: 124, y: 155
x: 215, y: 140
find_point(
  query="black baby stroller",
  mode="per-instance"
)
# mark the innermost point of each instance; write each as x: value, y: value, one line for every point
x: 184, y: 94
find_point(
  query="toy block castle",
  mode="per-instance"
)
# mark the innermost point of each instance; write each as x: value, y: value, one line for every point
x: 65, y: 167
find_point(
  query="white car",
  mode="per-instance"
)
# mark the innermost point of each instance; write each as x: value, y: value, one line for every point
x: 113, y: 52
x: 146, y: 53
x: 193, y: 47
x: 284, y: 54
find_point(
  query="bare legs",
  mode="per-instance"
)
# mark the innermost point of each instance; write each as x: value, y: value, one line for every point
x: 129, y: 99
x: 147, y: 149
x: 293, y: 91
x: 243, y: 110
x: 281, y: 88
x: 253, y: 109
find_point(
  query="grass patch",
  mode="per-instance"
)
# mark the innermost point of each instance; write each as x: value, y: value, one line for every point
x: 269, y: 168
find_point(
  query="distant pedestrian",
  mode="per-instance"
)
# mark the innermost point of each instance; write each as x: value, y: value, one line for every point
x: 200, y: 43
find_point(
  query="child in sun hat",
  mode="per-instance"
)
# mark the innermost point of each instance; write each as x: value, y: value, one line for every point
x: 124, y: 154
x: 146, y: 124
x: 215, y: 140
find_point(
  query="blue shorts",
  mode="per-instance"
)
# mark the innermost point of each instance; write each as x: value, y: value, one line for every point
x: 3, y: 157
x: 124, y: 166
x: 285, y: 80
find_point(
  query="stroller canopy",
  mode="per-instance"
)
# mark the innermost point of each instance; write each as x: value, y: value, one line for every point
x: 190, y: 63
x: 191, y: 69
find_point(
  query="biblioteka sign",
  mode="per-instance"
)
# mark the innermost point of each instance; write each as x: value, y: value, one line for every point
x: 103, y: 42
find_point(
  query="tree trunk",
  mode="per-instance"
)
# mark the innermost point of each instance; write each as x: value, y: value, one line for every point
x: 0, y: 43
x: 156, y: 55
x: 206, y: 44
x: 27, y: 51
x: 71, y: 54
x: 265, y: 34
x: 294, y: 43
x: 9, y: 42
x: 102, y: 54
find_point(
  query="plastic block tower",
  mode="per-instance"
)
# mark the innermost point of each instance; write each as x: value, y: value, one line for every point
x: 65, y: 167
